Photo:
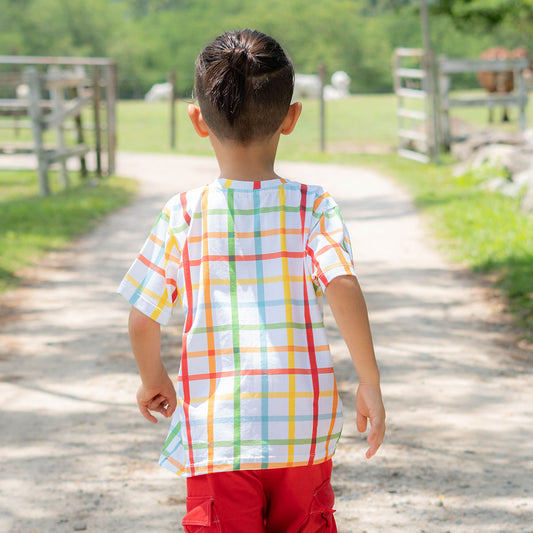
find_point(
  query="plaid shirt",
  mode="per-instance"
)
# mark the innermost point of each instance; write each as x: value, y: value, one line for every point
x: 246, y: 260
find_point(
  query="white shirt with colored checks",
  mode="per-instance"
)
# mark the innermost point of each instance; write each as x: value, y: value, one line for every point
x: 246, y: 260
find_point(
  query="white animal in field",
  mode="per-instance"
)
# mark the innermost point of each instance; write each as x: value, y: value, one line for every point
x: 159, y: 92
x: 340, y: 86
x: 306, y: 86
x: 22, y: 91
x: 341, y: 81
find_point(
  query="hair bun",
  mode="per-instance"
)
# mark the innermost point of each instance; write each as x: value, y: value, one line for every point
x: 244, y: 82
x: 239, y: 59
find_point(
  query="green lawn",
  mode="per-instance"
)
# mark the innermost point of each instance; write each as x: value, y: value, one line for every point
x: 30, y: 225
x: 358, y: 124
x: 145, y: 127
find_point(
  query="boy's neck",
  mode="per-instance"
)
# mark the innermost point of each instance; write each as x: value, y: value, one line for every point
x: 246, y: 162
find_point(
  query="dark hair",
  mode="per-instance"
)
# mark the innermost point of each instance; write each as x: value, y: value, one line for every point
x: 244, y: 82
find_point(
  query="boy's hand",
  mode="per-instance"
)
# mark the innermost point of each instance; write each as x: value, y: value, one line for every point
x: 161, y: 399
x: 369, y: 406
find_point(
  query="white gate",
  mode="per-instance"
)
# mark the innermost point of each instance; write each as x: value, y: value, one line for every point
x: 414, y: 109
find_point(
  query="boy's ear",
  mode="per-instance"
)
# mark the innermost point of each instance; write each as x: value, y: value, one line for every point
x: 198, y: 123
x: 289, y: 123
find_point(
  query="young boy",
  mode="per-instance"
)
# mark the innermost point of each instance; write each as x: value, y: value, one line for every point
x: 257, y: 415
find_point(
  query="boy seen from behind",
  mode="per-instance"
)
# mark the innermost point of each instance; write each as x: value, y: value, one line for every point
x: 257, y: 416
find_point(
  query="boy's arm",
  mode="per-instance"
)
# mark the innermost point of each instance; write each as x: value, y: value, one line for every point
x: 348, y: 306
x: 157, y: 392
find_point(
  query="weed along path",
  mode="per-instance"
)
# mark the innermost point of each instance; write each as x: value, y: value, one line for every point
x: 77, y: 456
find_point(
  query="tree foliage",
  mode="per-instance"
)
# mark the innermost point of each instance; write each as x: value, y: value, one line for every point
x: 149, y: 37
x: 487, y: 13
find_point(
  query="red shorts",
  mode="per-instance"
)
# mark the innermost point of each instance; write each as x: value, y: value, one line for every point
x: 282, y: 500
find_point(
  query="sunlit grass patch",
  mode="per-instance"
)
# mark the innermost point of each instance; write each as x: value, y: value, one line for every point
x: 31, y: 225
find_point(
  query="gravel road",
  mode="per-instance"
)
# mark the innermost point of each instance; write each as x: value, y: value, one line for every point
x: 75, y: 455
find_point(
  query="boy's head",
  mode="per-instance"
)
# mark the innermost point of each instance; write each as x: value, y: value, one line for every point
x: 244, y: 83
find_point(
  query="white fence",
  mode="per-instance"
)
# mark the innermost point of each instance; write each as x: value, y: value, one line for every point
x: 414, y: 111
x: 516, y: 98
x: 53, y: 99
x: 424, y: 126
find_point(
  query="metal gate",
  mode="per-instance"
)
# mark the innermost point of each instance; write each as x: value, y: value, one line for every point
x: 414, y: 113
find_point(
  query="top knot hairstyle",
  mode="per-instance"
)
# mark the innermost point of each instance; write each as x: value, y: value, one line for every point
x: 244, y: 83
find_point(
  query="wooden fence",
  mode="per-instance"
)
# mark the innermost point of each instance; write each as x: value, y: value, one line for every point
x: 414, y: 109
x: 52, y: 99
x: 424, y: 128
x: 517, y: 98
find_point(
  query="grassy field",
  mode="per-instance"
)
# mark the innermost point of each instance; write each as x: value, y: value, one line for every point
x: 30, y: 225
x: 359, y: 124
x: 483, y: 230
x: 146, y: 127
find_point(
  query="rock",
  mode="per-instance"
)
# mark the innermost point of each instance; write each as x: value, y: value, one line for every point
x: 518, y: 161
x: 512, y: 189
x: 464, y: 150
x: 495, y: 184
x: 493, y: 154
x: 525, y: 177
x: 79, y: 526
x: 504, y: 186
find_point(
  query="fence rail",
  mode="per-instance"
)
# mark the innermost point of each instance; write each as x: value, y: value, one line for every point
x: 422, y: 130
x: 410, y: 85
x: 93, y: 81
x: 517, y: 98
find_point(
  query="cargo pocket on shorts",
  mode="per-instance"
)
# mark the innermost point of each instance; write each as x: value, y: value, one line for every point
x: 201, y: 516
x: 320, y: 518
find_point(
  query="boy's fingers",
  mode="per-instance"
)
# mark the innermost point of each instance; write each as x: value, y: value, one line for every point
x: 171, y: 407
x: 361, y: 423
x: 163, y: 405
x: 157, y: 402
x: 375, y: 438
x: 146, y: 413
x: 371, y: 451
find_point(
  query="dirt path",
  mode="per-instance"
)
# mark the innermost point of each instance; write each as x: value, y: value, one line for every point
x: 77, y: 456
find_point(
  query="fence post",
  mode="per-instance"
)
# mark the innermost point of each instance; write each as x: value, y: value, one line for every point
x: 31, y: 78
x: 432, y: 106
x: 56, y: 92
x: 444, y: 89
x: 172, y: 80
x: 111, y: 97
x: 322, y: 76
x: 97, y: 125
x: 522, y: 94
x: 80, y: 138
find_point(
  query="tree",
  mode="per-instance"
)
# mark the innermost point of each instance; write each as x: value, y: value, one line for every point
x: 487, y: 13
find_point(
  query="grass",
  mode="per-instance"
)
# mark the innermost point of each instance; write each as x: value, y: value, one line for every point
x: 359, y: 124
x: 146, y: 128
x: 31, y: 226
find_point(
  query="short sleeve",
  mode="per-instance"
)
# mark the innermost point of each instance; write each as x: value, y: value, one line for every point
x: 329, y: 252
x: 150, y: 284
